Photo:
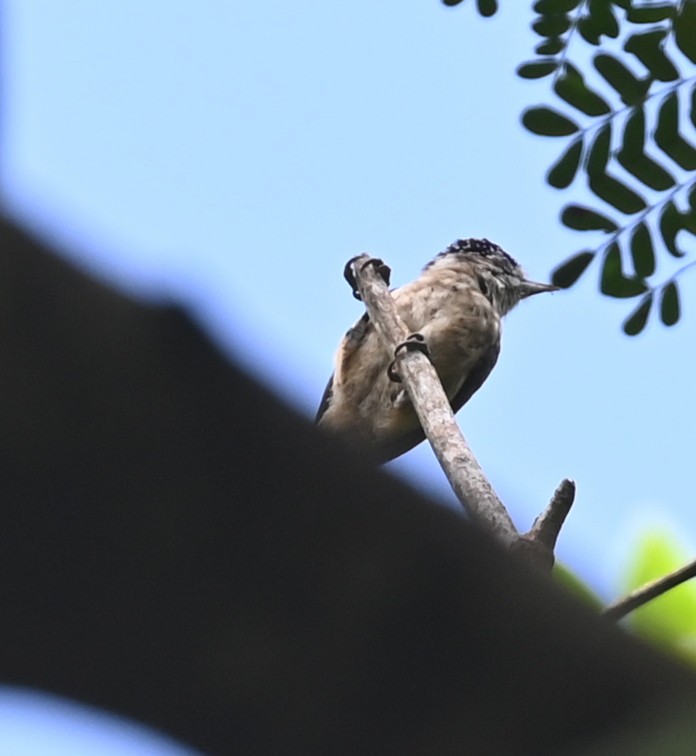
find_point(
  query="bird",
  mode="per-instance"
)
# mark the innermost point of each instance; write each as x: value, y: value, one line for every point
x: 454, y: 311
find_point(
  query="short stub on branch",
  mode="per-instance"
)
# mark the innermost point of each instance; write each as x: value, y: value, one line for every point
x: 540, y: 542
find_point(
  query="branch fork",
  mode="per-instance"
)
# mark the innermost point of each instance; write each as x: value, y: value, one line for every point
x: 369, y: 280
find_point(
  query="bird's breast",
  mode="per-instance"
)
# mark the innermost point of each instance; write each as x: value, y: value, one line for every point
x: 447, y: 299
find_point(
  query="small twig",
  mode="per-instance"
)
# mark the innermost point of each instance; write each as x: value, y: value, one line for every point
x: 540, y: 541
x: 432, y: 407
x: 546, y: 528
x: 548, y: 524
x: 649, y: 591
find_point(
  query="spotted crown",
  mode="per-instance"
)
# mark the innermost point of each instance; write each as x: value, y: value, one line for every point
x: 482, y: 247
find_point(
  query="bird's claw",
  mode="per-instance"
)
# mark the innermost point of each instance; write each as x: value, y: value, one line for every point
x: 350, y: 276
x: 415, y: 342
x: 380, y: 267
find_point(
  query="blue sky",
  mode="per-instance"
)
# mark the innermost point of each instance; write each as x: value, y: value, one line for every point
x: 233, y: 156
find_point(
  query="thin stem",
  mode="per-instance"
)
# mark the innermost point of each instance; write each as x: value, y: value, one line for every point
x: 649, y: 591
x: 678, y: 272
x: 563, y: 57
x: 645, y: 213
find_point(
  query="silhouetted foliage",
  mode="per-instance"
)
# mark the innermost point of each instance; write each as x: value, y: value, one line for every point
x: 485, y: 7
x: 623, y: 75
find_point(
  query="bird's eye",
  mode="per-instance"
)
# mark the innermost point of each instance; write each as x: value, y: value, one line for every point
x: 483, y: 285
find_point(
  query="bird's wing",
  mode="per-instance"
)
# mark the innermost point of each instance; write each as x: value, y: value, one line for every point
x: 325, y: 400
x: 347, y: 348
x: 405, y: 442
x: 477, y: 375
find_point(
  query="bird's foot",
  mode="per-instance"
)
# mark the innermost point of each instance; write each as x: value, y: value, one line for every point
x: 380, y: 267
x: 415, y: 342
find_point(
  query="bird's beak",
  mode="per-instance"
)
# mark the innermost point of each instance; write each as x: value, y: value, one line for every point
x: 530, y: 288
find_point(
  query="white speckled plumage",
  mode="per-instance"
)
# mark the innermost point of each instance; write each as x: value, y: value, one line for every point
x: 456, y: 304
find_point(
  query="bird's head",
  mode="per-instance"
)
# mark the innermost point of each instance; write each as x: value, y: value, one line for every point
x: 499, y: 277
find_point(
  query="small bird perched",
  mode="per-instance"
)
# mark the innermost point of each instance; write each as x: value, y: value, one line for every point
x: 454, y: 308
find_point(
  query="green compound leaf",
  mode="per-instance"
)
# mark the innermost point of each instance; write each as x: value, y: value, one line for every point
x: 588, y: 31
x: 571, y: 87
x: 555, y: 6
x: 581, y: 218
x: 613, y: 283
x: 688, y: 220
x: 552, y: 25
x: 547, y: 122
x: 537, y: 69
x: 601, y: 19
x: 631, y: 89
x: 670, y: 225
x: 650, y: 14
x: 669, y: 304
x: 638, y: 319
x: 647, y: 47
x: 667, y: 135
x: 642, y: 251
x: 633, y: 158
x: 599, y: 152
x: 550, y: 46
x: 567, y: 273
x: 685, y: 29
x: 617, y: 194
x: 564, y: 170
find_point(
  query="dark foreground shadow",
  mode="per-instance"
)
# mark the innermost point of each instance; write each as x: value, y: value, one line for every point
x: 178, y: 546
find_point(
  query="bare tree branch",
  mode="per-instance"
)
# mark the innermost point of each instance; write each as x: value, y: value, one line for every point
x: 548, y: 524
x: 649, y: 591
x: 432, y: 406
x: 540, y: 541
x: 369, y: 279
